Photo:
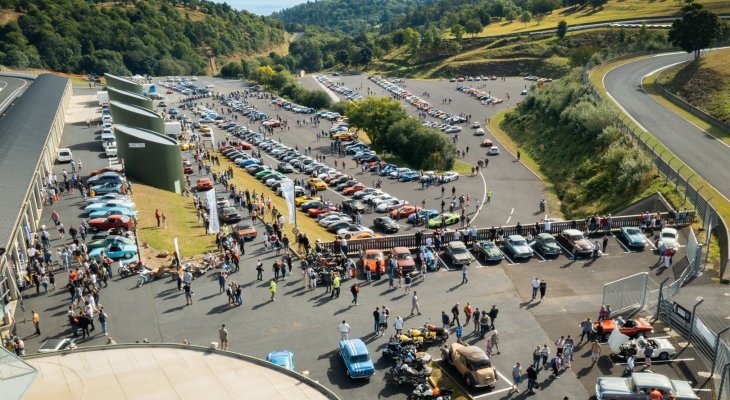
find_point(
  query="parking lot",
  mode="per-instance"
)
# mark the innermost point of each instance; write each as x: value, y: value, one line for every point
x: 305, y: 321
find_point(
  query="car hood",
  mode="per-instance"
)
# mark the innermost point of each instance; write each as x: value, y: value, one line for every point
x: 522, y: 248
x: 683, y: 391
x: 462, y: 256
x: 583, y: 244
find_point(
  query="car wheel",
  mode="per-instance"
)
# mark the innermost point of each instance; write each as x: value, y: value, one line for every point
x: 470, y: 381
x: 664, y: 356
x: 128, y: 255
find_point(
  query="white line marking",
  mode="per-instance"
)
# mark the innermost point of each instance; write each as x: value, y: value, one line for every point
x: 661, y: 361
x: 484, y: 198
x: 510, y: 216
x: 492, y: 393
x: 537, y: 253
x: 572, y: 257
x: 510, y: 262
x: 12, y: 95
x: 626, y: 249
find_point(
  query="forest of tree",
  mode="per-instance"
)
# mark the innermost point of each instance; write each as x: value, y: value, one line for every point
x: 158, y: 37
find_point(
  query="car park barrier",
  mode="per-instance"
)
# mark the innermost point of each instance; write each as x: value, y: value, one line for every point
x: 412, y: 242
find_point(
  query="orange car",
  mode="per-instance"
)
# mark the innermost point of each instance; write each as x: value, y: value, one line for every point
x: 404, y: 212
x: 487, y: 143
x: 354, y: 189
x: 630, y: 327
x: 370, y: 261
x: 106, y: 169
x: 204, y: 184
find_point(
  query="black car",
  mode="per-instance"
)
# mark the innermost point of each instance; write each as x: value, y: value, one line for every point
x: 229, y: 215
x: 386, y: 224
x: 312, y: 204
x: 353, y: 206
x: 336, y: 227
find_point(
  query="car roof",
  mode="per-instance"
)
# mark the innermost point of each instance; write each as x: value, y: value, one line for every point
x: 572, y: 232
x: 473, y: 353
x: 456, y: 244
x: 544, y: 235
x: 516, y: 237
x: 646, y: 379
x: 354, y: 346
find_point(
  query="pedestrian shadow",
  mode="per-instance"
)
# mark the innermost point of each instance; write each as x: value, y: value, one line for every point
x: 219, y: 309
x: 257, y: 306
x: 453, y: 288
x: 247, y: 284
x: 210, y: 296
x: 295, y: 290
x: 342, y: 310
x: 530, y: 304
x: 171, y: 310
x: 165, y: 292
x: 398, y: 297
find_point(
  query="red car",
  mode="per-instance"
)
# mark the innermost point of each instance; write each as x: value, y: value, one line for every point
x: 630, y: 327
x: 404, y: 212
x: 204, y: 184
x: 315, y: 212
x: 404, y: 259
x: 112, y: 221
x: 354, y: 189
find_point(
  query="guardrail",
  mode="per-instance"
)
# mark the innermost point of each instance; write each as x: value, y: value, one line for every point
x: 412, y: 242
x: 710, y: 218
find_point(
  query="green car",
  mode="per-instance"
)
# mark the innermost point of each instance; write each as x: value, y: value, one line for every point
x: 263, y: 174
x: 546, y: 245
x: 633, y: 237
x: 444, y: 220
x: 489, y: 251
x: 102, y: 243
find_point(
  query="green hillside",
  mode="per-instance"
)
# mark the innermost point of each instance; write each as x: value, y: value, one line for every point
x: 157, y: 37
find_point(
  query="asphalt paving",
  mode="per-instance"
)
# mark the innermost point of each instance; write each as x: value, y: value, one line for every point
x: 11, y: 88
x: 698, y: 149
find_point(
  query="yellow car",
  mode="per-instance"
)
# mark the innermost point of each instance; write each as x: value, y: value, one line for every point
x: 343, y: 136
x: 317, y: 183
x: 205, y: 128
x: 366, y: 235
x: 187, y: 146
x: 303, y: 199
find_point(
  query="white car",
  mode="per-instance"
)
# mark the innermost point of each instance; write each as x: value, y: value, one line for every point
x: 325, y: 222
x: 523, y: 92
x: 108, y: 143
x: 380, y: 199
x: 210, y: 86
x: 390, y: 205
x: 111, y: 150
x: 449, y: 176
x: 346, y: 233
x: 661, y: 348
x: 65, y: 155
x: 476, y: 125
x: 453, y: 129
x: 670, y: 238
x: 479, y: 132
x: 493, y: 151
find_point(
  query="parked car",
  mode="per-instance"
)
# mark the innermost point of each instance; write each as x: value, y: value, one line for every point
x: 638, y: 385
x: 112, y: 211
x: 629, y: 327
x: 386, y: 224
x: 404, y: 259
x: 574, y: 241
x: 113, y: 221
x: 204, y: 184
x: 108, y: 205
x: 661, y: 348
x: 64, y: 155
x: 517, y: 246
x: 370, y: 261
x: 632, y: 236
x: 489, y: 251
x: 229, y: 215
x: 115, y: 251
x: 493, y: 151
x: 472, y: 363
x: 317, y: 183
x: 444, y: 219
x: 108, y: 241
x: 113, y: 177
x: 282, y: 358
x: 670, y: 238
x: 107, y: 187
x: 459, y: 254
x: 353, y: 206
x: 111, y: 150
x: 449, y: 176
x: 546, y: 245
x: 355, y: 355
x: 54, y: 345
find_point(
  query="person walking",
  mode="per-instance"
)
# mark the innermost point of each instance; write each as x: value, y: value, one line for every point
x: 103, y: 318
x: 586, y: 330
x: 344, y: 329
x: 355, y: 290
x: 493, y: 315
x: 272, y: 289
x: 595, y: 352
x: 535, y: 287
x: 464, y: 279
x: 531, y: 379
x: 414, y: 303
x: 516, y: 377
x: 336, y: 286
x: 543, y: 289
x: 455, y: 314
x: 536, y: 357
x: 36, y: 322
x: 188, y: 295
x: 259, y: 270
x: 630, y: 364
x: 221, y: 282
x: 648, y: 353
x: 545, y: 353
x: 223, y: 335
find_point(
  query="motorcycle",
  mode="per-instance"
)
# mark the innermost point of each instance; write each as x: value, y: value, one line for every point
x: 395, y: 349
x: 405, y: 373
x: 416, y: 341
x: 414, y: 359
x: 424, y: 391
x: 430, y: 333
x: 130, y: 269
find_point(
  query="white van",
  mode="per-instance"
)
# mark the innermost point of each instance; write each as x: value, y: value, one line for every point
x: 65, y: 155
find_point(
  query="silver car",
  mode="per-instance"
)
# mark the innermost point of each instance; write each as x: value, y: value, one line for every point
x: 638, y: 386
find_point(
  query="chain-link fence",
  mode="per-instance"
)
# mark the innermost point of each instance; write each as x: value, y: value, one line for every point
x: 626, y: 293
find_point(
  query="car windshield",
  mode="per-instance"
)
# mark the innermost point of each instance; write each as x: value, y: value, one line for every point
x: 359, y: 358
x: 459, y: 250
x: 372, y: 256
x: 576, y: 238
x: 403, y: 256
x: 519, y: 242
x: 669, y: 235
x: 633, y: 231
x: 549, y: 240
x: 244, y: 227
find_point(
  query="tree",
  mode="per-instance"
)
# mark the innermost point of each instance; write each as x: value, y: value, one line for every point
x: 473, y: 26
x: 265, y: 74
x: 511, y: 15
x: 562, y: 29
x: 598, y: 3
x: 375, y: 115
x: 697, y: 29
x: 458, y: 31
x: 232, y: 69
x: 580, y: 55
x: 343, y: 57
x: 412, y: 39
x: 365, y: 55
x: 525, y: 18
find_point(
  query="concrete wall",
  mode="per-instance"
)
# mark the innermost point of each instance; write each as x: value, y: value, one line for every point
x: 120, y: 83
x: 150, y: 158
x: 134, y: 99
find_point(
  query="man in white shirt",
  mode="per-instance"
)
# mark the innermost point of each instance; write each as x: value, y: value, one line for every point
x: 344, y: 329
x: 535, y: 287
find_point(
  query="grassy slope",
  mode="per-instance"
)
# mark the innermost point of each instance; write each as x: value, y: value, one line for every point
x: 613, y: 10
x: 705, y: 83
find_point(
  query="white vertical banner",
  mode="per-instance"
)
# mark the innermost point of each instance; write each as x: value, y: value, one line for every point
x: 212, y: 139
x: 287, y: 189
x: 213, y: 226
x: 177, y: 251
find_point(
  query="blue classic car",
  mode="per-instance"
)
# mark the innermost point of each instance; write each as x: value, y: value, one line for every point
x: 357, y: 360
x: 282, y: 358
x: 108, y: 197
x: 422, y: 215
x: 109, y: 205
x: 633, y: 237
x: 108, y: 187
x: 112, y: 177
x: 115, y: 251
x: 112, y: 211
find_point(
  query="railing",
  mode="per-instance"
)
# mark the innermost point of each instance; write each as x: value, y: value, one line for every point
x: 662, y: 160
x: 411, y: 241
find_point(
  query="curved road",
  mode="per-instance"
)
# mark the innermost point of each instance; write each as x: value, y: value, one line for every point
x: 702, y: 152
x: 10, y: 88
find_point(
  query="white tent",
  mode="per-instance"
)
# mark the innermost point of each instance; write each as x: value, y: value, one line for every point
x: 15, y: 375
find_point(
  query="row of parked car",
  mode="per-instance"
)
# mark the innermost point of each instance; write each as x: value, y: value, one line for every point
x: 289, y: 106
x: 484, y: 97
x: 186, y: 87
x: 418, y: 102
x: 351, y: 94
